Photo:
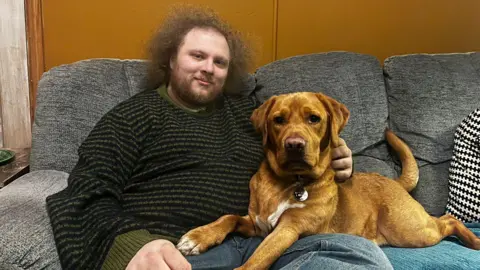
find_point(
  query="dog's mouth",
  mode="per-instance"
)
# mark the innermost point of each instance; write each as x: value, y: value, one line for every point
x: 297, y: 167
x: 296, y: 161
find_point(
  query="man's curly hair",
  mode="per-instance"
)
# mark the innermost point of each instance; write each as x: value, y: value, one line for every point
x: 167, y: 40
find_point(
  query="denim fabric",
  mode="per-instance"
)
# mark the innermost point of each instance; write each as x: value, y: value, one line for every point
x: 448, y: 254
x: 326, y: 251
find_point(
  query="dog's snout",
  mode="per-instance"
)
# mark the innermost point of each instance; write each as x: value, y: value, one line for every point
x: 294, y: 143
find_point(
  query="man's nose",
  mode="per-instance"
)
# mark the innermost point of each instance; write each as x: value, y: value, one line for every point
x: 208, y: 66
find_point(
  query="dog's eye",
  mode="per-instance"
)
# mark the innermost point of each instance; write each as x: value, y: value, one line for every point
x: 313, y: 119
x: 279, y: 120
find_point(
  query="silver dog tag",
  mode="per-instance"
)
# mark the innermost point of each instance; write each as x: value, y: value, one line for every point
x: 300, y: 194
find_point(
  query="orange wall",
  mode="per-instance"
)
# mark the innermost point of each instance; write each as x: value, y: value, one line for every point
x: 378, y: 27
x: 75, y: 30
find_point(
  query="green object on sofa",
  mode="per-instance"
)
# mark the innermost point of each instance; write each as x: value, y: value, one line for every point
x: 421, y: 97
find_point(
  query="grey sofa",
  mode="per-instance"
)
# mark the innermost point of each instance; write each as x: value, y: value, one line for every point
x: 421, y: 97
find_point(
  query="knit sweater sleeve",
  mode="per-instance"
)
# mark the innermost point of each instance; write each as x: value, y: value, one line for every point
x: 87, y: 216
x: 126, y: 246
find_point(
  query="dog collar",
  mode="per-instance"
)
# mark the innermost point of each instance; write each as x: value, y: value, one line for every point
x: 300, y: 193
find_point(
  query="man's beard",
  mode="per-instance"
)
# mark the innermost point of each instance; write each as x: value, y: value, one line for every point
x: 183, y: 89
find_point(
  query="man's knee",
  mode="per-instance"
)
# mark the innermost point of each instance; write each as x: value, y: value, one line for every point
x: 336, y: 250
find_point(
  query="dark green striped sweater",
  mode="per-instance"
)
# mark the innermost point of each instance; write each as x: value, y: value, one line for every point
x: 150, y: 170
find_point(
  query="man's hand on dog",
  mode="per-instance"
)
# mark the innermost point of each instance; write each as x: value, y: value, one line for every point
x: 160, y: 255
x: 342, y: 161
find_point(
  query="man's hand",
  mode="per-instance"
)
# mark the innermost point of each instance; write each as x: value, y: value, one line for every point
x: 159, y: 255
x: 342, y: 161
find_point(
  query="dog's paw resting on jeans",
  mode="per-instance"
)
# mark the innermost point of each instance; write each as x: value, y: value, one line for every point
x: 198, y: 241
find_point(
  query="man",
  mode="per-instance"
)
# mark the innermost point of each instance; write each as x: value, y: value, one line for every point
x: 176, y: 157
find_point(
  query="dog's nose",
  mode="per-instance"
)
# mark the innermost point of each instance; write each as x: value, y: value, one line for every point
x: 294, y: 143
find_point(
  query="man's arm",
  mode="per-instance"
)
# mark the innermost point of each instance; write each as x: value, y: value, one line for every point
x: 87, y: 216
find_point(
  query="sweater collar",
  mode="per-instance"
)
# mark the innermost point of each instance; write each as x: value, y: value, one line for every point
x: 162, y: 90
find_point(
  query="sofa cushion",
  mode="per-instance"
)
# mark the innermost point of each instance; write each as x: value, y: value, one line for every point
x: 71, y: 99
x: 450, y: 253
x: 26, y: 238
x: 428, y: 96
x: 354, y: 79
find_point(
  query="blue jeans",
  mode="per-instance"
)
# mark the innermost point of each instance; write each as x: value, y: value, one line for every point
x: 327, y: 251
x: 448, y: 254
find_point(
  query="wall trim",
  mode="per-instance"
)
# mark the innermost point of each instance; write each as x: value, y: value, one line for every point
x: 35, y: 45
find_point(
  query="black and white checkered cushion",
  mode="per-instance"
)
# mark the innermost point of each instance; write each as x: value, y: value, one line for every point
x: 464, y: 173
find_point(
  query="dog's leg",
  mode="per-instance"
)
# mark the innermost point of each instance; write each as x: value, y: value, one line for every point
x: 433, y: 231
x: 449, y: 225
x: 198, y: 240
x: 418, y: 229
x: 272, y: 247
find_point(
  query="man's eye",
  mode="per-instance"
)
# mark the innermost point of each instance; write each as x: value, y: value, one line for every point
x: 197, y: 56
x: 279, y: 120
x: 313, y: 119
x: 221, y: 63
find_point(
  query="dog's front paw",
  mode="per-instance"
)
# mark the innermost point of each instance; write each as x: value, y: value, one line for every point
x: 189, y: 246
x: 197, y: 241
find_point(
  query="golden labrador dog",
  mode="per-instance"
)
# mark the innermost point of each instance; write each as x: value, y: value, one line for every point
x: 294, y: 192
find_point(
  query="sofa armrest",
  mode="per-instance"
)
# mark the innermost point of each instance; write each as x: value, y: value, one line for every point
x: 26, y: 239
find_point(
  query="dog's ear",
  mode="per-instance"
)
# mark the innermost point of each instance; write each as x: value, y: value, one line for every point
x: 338, y: 116
x: 259, y: 117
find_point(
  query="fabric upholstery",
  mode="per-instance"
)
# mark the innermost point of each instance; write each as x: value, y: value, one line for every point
x: 447, y: 255
x: 428, y: 96
x: 70, y: 100
x: 26, y: 239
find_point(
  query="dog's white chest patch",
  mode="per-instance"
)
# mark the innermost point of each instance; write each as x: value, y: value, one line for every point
x: 272, y: 220
x: 282, y: 207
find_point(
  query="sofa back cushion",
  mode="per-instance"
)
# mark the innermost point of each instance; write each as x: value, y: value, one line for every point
x: 353, y: 79
x: 428, y: 96
x: 71, y: 99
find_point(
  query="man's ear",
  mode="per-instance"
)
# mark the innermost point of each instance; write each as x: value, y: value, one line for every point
x: 338, y: 116
x: 259, y: 118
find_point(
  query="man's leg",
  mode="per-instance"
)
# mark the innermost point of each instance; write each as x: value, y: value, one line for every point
x: 333, y: 251
x: 226, y: 256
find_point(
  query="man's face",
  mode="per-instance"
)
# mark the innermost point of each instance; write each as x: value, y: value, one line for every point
x: 199, y: 71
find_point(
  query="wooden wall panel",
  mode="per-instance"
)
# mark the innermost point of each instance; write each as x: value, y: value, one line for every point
x: 36, y: 64
x: 75, y: 30
x: 378, y: 27
x: 14, y: 91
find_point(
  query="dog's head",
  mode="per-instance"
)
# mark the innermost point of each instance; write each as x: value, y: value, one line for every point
x: 299, y: 130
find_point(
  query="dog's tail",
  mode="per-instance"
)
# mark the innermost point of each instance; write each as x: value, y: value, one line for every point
x: 409, y: 177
